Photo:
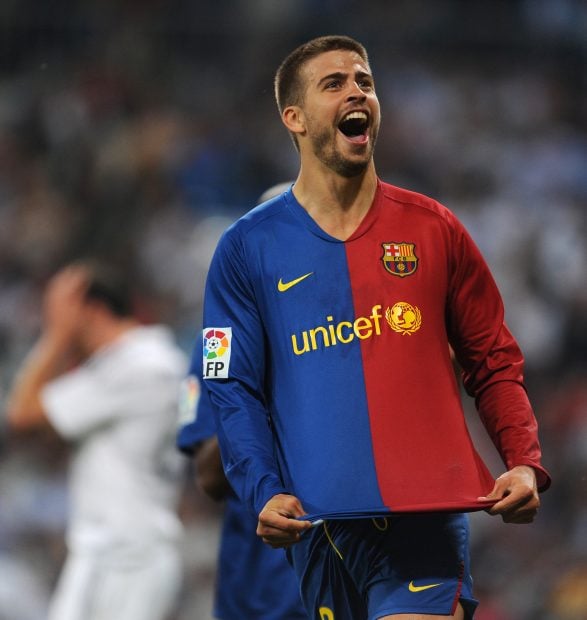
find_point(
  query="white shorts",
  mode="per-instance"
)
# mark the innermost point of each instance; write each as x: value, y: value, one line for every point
x: 122, y: 584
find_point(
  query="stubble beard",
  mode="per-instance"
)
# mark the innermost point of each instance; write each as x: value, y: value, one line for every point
x: 324, y: 148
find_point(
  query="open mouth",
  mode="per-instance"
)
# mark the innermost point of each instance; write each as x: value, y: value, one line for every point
x: 354, y: 126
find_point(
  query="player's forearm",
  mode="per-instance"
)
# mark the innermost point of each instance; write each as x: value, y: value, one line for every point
x: 249, y: 464
x: 209, y: 471
x: 45, y: 362
x: 246, y: 443
x: 254, y: 477
x: 507, y: 414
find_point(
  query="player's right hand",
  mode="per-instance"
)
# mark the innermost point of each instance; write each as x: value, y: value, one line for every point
x: 278, y: 524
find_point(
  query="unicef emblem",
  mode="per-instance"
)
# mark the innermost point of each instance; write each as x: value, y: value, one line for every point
x: 404, y: 318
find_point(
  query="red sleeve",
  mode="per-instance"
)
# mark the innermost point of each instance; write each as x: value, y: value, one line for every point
x: 491, y: 359
x: 507, y: 415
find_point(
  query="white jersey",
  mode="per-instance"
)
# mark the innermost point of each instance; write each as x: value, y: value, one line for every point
x: 119, y: 409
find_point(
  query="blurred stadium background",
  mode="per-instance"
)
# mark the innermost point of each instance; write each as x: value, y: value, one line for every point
x: 139, y: 129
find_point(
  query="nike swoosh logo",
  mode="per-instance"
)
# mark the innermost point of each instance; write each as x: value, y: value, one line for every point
x: 414, y: 588
x: 284, y: 286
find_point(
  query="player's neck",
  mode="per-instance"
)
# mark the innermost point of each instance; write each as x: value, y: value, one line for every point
x: 337, y: 204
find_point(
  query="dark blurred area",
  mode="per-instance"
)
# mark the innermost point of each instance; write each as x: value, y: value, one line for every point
x: 138, y: 130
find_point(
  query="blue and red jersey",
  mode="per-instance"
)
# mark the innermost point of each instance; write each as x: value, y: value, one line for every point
x: 329, y: 364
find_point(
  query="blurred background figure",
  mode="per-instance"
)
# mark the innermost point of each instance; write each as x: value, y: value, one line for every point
x: 253, y: 581
x: 109, y: 385
x: 139, y: 131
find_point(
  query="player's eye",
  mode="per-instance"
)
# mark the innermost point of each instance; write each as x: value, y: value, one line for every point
x: 365, y: 84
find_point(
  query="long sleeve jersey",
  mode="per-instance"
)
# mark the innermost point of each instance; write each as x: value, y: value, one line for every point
x: 329, y: 361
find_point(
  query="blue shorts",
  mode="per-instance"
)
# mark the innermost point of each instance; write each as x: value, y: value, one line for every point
x: 369, y: 568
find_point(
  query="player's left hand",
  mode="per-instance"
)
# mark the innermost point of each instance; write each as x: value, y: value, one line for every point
x: 517, y: 497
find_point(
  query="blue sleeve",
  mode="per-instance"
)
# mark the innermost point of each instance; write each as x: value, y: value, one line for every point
x: 234, y: 370
x: 197, y: 422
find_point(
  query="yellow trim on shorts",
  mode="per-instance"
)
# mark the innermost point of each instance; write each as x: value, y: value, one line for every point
x: 338, y: 553
x: 381, y: 528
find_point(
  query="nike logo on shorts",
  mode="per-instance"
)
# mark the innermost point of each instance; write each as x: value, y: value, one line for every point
x: 414, y: 588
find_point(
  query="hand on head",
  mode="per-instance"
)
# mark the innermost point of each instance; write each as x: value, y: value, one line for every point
x: 65, y: 301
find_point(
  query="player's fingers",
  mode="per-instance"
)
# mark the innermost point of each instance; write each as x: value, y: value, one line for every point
x: 519, y: 506
x: 270, y: 522
x: 282, y: 512
x: 278, y: 545
x: 527, y: 517
x: 522, y: 512
x: 291, y: 506
x: 524, y: 515
x: 280, y: 542
x: 277, y: 537
x: 273, y: 520
x: 283, y: 504
x: 500, y: 488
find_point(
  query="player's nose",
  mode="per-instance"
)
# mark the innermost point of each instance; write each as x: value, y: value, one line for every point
x: 355, y: 92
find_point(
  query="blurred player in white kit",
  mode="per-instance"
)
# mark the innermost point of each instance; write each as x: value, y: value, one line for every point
x: 108, y: 385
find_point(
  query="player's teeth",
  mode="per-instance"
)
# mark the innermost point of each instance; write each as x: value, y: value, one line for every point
x: 351, y: 115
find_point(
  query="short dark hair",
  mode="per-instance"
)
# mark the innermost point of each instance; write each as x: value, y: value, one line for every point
x: 289, y: 89
x: 109, y: 285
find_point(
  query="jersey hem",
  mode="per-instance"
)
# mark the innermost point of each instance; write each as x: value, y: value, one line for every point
x: 408, y: 509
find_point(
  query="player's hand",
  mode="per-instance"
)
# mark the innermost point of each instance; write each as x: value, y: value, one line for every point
x: 64, y: 302
x: 516, y: 494
x: 278, y: 524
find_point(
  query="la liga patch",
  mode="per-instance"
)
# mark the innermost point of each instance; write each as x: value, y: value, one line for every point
x: 216, y: 348
x: 189, y: 395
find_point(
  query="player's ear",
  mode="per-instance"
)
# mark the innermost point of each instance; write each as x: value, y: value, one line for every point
x: 293, y: 118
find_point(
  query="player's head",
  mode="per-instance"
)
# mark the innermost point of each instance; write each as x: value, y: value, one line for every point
x: 290, y: 85
x: 326, y: 93
x: 109, y: 287
x: 91, y: 302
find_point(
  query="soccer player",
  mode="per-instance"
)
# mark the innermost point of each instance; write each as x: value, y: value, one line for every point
x: 329, y: 316
x: 109, y: 386
x: 254, y: 582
